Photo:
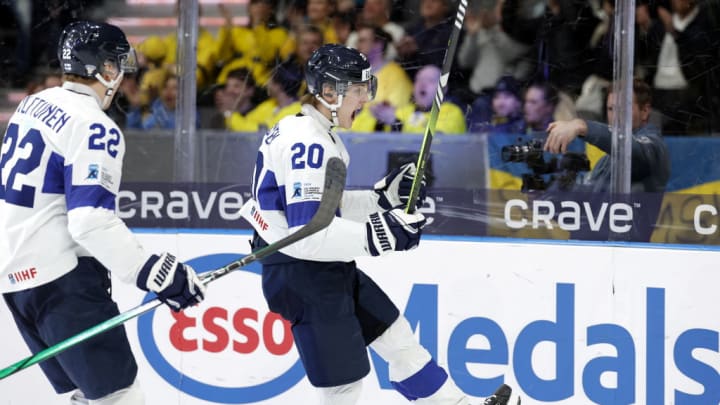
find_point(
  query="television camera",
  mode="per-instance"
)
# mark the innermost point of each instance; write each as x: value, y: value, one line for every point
x: 559, y: 173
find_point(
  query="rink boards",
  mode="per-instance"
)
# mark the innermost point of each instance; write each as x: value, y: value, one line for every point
x: 562, y: 323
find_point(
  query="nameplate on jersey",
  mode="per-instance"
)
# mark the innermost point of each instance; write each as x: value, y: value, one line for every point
x: 51, y: 115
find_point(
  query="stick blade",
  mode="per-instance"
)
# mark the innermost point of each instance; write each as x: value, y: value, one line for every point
x: 335, y: 176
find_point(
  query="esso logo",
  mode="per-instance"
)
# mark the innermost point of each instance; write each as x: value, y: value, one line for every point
x: 228, y: 349
x: 213, y: 321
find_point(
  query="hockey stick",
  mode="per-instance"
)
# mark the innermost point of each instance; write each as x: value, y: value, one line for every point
x: 435, y: 109
x: 334, y: 185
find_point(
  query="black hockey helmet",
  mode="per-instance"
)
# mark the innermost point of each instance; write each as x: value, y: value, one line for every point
x: 340, y: 66
x: 86, y: 46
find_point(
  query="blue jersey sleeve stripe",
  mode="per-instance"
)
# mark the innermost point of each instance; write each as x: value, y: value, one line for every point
x: 55, y: 175
x: 90, y: 196
x: 269, y: 195
x: 283, y: 201
x: 299, y: 214
x: 86, y: 196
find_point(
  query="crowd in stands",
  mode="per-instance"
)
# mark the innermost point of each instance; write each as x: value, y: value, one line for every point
x: 519, y: 65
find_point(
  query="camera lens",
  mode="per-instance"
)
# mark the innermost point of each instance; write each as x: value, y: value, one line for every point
x: 508, y: 153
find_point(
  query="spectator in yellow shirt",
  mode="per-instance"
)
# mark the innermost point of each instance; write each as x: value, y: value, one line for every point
x: 255, y: 47
x: 394, y: 85
x: 161, y: 56
x: 413, y: 117
x: 282, y: 89
x: 235, y: 103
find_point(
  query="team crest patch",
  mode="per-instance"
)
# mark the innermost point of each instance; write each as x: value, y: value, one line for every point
x: 93, y: 170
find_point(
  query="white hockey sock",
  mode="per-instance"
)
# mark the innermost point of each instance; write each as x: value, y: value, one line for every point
x: 412, y: 370
x: 398, y: 346
x: 448, y: 394
x: 347, y: 394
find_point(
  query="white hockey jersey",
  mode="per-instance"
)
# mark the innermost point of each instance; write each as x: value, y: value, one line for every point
x: 288, y: 183
x: 60, y: 169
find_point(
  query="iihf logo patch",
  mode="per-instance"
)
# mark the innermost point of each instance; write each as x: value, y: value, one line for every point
x: 93, y: 170
x: 297, y: 190
x: 23, y: 275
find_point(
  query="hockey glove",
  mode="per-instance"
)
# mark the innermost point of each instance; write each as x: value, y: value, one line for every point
x: 175, y: 283
x: 393, y: 230
x: 394, y: 189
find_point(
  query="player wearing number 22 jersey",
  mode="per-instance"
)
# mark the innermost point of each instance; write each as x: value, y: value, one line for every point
x: 60, y: 168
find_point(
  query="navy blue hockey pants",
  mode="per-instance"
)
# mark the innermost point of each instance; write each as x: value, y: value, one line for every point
x: 335, y: 310
x: 53, y: 312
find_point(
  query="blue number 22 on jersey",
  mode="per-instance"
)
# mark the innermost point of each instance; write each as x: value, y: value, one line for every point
x: 25, y: 196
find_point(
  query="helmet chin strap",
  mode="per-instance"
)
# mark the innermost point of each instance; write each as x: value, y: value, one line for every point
x: 111, y: 87
x: 332, y: 107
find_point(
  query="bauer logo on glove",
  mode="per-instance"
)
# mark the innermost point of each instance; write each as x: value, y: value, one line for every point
x: 393, y: 230
x: 175, y: 283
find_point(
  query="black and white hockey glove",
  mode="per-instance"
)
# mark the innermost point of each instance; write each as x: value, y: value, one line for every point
x: 175, y: 283
x: 393, y: 230
x: 394, y: 189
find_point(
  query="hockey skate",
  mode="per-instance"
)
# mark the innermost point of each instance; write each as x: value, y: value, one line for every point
x: 501, y: 396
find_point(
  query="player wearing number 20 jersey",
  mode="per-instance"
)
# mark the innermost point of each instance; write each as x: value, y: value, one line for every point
x: 335, y: 309
x: 61, y: 166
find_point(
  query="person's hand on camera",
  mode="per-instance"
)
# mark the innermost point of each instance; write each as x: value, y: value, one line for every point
x: 562, y: 133
x: 175, y: 283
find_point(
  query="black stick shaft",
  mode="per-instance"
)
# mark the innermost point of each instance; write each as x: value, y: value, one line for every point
x: 435, y: 109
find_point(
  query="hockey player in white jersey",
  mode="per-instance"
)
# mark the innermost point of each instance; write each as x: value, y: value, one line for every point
x: 334, y: 308
x: 60, y: 168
